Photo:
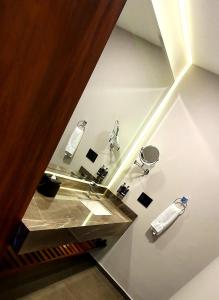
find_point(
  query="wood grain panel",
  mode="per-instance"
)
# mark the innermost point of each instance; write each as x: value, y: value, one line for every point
x: 48, y: 52
x: 11, y: 262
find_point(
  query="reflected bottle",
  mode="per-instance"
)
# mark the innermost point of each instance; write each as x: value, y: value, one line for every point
x: 101, y: 174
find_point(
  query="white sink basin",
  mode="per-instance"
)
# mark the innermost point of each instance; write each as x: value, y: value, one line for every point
x: 96, y: 208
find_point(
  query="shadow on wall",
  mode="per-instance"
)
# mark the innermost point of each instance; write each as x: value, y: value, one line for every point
x: 101, y: 141
x: 123, y: 265
x: 155, y: 179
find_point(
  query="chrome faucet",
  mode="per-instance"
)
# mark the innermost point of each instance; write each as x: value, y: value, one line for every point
x: 92, y: 187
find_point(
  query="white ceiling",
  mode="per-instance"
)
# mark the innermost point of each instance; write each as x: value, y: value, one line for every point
x: 203, y: 20
x: 138, y: 18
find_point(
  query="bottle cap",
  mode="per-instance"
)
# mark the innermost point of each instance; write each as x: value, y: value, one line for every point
x: 184, y: 200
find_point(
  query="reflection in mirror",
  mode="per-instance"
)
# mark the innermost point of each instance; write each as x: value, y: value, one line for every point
x: 129, y: 82
x: 148, y: 157
x: 114, y: 137
x: 74, y: 140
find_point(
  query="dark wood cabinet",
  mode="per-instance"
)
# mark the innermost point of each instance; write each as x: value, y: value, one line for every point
x: 48, y: 51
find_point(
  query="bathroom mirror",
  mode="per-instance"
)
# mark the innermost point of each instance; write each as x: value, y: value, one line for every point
x: 129, y: 82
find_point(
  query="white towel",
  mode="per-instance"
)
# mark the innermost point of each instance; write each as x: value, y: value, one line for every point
x: 165, y: 219
x: 74, y: 141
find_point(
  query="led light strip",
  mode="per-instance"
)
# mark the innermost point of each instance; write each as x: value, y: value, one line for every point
x: 148, y: 129
x: 185, y: 29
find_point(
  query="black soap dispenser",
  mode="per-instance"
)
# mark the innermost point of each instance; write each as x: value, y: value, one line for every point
x: 49, y: 185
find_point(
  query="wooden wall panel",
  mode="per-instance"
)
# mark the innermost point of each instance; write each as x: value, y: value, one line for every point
x: 48, y: 51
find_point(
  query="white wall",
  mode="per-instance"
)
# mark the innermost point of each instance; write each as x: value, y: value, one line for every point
x: 172, y: 20
x: 188, y: 142
x: 127, y: 83
x: 203, y: 24
x: 203, y: 286
x: 138, y: 17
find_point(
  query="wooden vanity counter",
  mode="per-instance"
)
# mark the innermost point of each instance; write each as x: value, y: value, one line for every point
x: 66, y: 218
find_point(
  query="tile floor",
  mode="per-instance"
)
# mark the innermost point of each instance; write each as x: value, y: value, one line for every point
x: 74, y: 279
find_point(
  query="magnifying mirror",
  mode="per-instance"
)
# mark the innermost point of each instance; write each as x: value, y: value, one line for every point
x: 148, y: 157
